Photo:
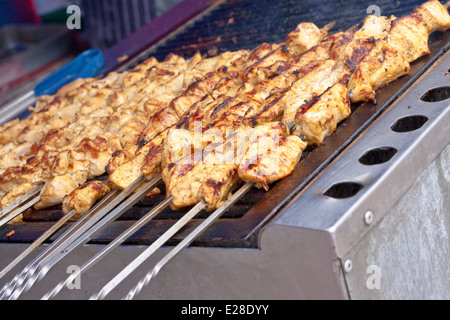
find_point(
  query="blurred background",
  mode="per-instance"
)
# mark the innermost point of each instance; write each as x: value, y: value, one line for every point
x: 105, y: 22
x: 35, y: 39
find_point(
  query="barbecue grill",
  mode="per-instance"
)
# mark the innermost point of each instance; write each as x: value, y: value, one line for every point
x: 364, y: 215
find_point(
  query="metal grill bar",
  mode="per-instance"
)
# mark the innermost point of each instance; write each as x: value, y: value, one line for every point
x: 57, y: 248
x: 30, y: 268
x: 149, y: 251
x: 15, y: 210
x: 187, y: 241
x: 106, y: 250
x: 38, y: 242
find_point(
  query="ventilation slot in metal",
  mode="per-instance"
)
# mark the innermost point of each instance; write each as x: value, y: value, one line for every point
x: 436, y: 94
x: 409, y: 123
x: 377, y: 156
x: 343, y: 190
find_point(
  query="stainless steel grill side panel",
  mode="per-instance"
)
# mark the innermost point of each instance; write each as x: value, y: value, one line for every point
x: 205, y: 273
x: 415, y: 263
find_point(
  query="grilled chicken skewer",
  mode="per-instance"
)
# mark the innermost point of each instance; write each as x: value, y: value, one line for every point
x: 406, y: 41
x: 316, y: 119
x: 194, y: 178
x: 261, y: 57
x: 154, y: 132
x: 121, y: 178
x: 63, y: 183
x: 56, y: 139
x: 104, y: 190
x: 373, y: 30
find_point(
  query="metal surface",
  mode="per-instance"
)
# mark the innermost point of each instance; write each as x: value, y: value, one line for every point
x: 406, y: 255
x: 37, y: 243
x: 80, y: 234
x: 77, y: 229
x: 11, y: 212
x: 133, y: 265
x: 16, y: 107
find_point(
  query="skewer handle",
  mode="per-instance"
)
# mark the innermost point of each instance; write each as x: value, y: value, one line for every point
x: 187, y: 241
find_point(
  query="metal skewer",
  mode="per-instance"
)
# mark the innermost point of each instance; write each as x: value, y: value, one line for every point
x: 118, y: 241
x: 38, y: 242
x: 149, y: 251
x: 165, y: 237
x: 93, y: 226
x: 31, y: 267
x: 188, y: 240
x: 12, y: 211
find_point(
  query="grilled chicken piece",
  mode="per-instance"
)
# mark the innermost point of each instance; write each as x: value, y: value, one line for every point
x: 382, y: 65
x: 305, y: 36
x: 35, y: 171
x: 131, y: 129
x: 18, y: 193
x: 124, y: 166
x: 72, y: 168
x: 195, y: 92
x: 81, y: 198
x: 310, y: 68
x: 158, y: 123
x: 189, y: 180
x: 277, y: 52
x: 390, y: 59
x: 177, y: 144
x: 11, y: 155
x: 331, y: 71
x: 270, y: 154
x: 130, y: 171
x: 264, y: 156
x: 302, y: 90
x: 68, y: 173
x: 409, y: 34
x: 197, y: 166
x: 317, y: 119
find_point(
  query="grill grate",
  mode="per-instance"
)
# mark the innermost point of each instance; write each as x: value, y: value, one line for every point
x: 243, y: 24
